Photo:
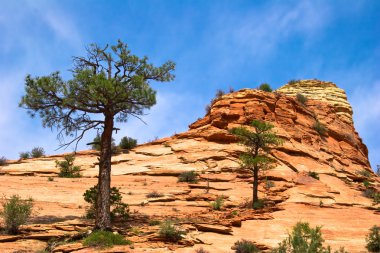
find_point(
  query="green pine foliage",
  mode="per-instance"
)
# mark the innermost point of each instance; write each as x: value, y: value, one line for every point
x: 373, y: 239
x: 24, y: 155
x: 304, y: 239
x: 67, y: 168
x: 119, y: 209
x: 258, y: 143
x: 127, y: 143
x: 108, y: 84
x: 265, y: 87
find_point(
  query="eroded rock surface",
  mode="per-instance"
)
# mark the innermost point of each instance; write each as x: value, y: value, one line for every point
x: 336, y: 201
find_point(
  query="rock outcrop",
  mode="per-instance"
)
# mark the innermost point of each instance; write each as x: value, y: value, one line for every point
x: 336, y: 201
x: 321, y: 91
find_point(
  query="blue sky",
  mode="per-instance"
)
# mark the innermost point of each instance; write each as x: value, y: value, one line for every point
x: 215, y: 44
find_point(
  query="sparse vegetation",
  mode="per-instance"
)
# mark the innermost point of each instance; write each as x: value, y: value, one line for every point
x: 119, y: 209
x: 50, y: 179
x: 245, y: 246
x: 201, y: 250
x: 37, y: 152
x: 154, y: 194
x: 373, y: 239
x: 16, y: 212
x: 313, y: 174
x: 154, y: 222
x: 188, y: 176
x: 301, y: 98
x: 104, y: 239
x: 127, y: 143
x: 320, y: 128
x: 3, y: 161
x: 67, y: 168
x: 259, y: 204
x: 364, y: 173
x: 265, y: 87
x: 219, y: 93
x: 303, y: 239
x: 378, y: 170
x: 258, y: 143
x: 170, y: 232
x: 293, y: 81
x: 24, y: 155
x: 96, y: 144
x: 218, y: 203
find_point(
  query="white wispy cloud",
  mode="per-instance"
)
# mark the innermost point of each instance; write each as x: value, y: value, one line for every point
x: 26, y: 47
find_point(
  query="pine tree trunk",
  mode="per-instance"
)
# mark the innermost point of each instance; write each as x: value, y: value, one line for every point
x: 103, y: 215
x: 255, y: 185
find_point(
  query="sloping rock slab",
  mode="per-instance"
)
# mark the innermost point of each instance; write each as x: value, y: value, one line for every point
x: 214, y: 229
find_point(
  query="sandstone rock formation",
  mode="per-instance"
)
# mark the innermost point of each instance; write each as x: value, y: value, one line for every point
x: 336, y: 201
x: 321, y: 91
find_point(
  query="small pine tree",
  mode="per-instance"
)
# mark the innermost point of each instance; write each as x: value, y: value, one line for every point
x: 119, y: 209
x: 265, y: 87
x: 127, y: 143
x: 258, y: 143
x: 373, y: 239
x: 67, y: 168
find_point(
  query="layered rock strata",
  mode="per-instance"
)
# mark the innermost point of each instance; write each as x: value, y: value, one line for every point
x: 336, y: 201
x: 321, y: 91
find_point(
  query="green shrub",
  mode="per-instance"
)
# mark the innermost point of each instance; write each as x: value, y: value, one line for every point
x: 245, y: 246
x: 154, y: 194
x: 37, y: 152
x: 219, y: 93
x: 104, y: 239
x: 154, y: 222
x: 170, y: 232
x: 16, y: 212
x: 373, y: 239
x: 303, y: 239
x: 24, y: 155
x: 127, y: 143
x: 3, y: 161
x: 208, y: 109
x: 376, y: 198
x: 301, y: 98
x: 364, y: 173
x: 218, y: 203
x: 259, y: 204
x: 119, y: 209
x: 293, y: 81
x: 320, y: 128
x: 269, y: 184
x: 67, y: 168
x: 366, y: 184
x: 313, y: 174
x: 50, y: 179
x: 265, y: 87
x: 96, y: 144
x: 201, y: 250
x: 188, y: 176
